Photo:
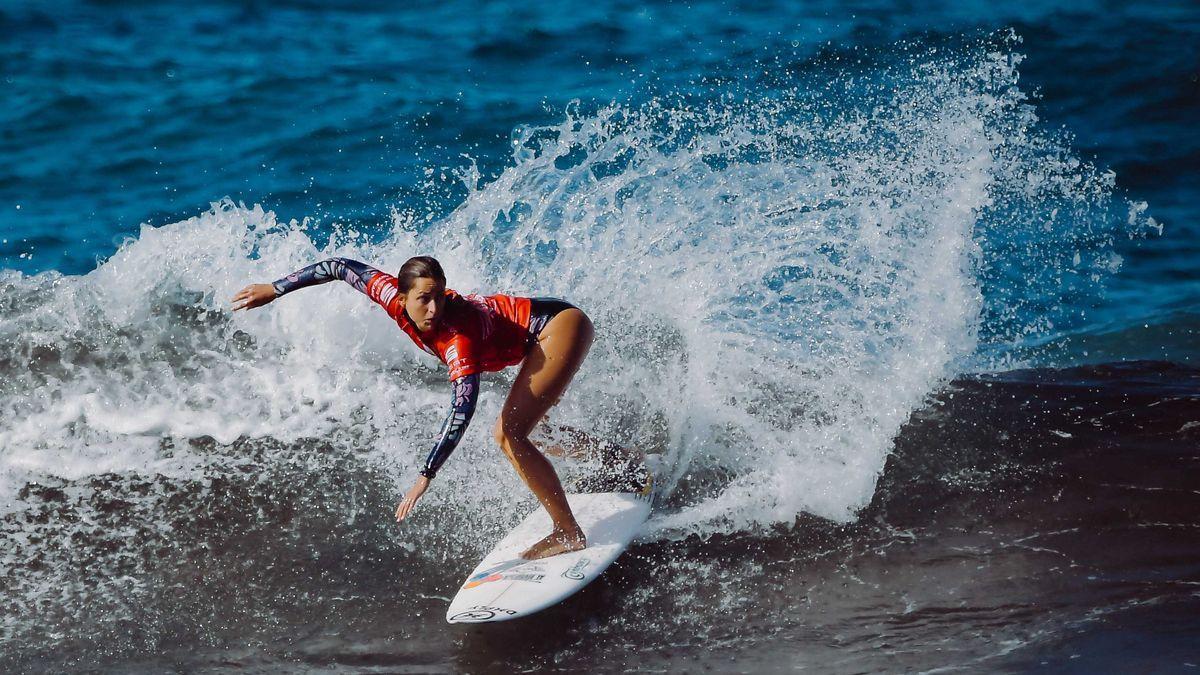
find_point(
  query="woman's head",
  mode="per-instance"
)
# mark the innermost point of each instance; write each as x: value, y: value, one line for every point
x: 424, y: 287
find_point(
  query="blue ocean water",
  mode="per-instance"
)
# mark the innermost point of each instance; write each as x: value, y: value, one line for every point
x: 147, y: 113
x: 926, y: 273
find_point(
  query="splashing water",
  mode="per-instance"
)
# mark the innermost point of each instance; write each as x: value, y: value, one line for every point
x: 777, y: 282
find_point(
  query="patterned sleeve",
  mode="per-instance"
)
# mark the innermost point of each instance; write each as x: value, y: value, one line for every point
x: 466, y: 393
x: 379, y: 286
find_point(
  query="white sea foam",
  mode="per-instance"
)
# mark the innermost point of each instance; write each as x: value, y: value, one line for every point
x: 777, y: 285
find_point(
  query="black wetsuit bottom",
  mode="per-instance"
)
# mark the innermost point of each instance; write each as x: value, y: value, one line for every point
x: 541, y: 311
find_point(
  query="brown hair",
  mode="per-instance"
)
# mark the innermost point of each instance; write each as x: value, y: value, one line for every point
x: 420, y: 267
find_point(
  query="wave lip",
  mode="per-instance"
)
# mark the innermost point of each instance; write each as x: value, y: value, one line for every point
x: 808, y: 268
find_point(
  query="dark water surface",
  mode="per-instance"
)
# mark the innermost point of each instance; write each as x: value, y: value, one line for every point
x: 1055, y: 528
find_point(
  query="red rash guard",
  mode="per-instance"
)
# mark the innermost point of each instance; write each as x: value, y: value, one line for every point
x: 474, y: 334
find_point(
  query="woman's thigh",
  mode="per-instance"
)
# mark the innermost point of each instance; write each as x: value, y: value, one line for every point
x: 546, y: 371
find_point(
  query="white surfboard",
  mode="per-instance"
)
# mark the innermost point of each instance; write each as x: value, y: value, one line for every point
x: 504, y: 586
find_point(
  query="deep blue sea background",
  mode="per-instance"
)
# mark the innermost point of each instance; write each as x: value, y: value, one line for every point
x: 1026, y: 499
x: 128, y: 113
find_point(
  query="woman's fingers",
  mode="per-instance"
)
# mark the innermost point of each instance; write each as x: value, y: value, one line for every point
x: 410, y: 499
x: 251, y: 297
x: 241, y: 295
x: 405, y: 508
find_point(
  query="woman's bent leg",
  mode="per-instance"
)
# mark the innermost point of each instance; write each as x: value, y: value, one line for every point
x: 544, y: 376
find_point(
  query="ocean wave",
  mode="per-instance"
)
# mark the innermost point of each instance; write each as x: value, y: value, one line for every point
x: 778, y: 283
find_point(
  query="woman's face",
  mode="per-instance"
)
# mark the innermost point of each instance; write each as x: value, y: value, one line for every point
x: 424, y: 303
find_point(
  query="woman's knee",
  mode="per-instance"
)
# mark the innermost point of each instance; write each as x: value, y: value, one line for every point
x: 510, y: 437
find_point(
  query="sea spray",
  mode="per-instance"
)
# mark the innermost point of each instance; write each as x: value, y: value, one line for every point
x: 778, y: 283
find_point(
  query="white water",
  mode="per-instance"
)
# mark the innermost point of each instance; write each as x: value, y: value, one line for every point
x: 777, y: 285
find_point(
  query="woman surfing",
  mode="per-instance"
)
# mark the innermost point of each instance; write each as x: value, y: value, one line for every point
x: 473, y: 334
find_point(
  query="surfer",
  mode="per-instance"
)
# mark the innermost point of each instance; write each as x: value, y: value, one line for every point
x: 472, y: 334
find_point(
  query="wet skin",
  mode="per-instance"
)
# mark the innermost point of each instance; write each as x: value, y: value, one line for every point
x: 545, y: 373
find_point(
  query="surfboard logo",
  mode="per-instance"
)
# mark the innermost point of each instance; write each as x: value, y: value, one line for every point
x: 493, y: 573
x: 480, y: 613
x: 535, y: 578
x: 576, y: 571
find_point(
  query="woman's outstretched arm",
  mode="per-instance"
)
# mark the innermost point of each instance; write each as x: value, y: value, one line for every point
x: 353, y: 272
x: 466, y: 394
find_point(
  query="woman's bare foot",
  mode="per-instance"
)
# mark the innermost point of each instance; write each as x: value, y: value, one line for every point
x: 555, y: 543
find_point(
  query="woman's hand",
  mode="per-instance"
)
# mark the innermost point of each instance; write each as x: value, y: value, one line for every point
x: 410, y: 499
x: 254, y: 295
